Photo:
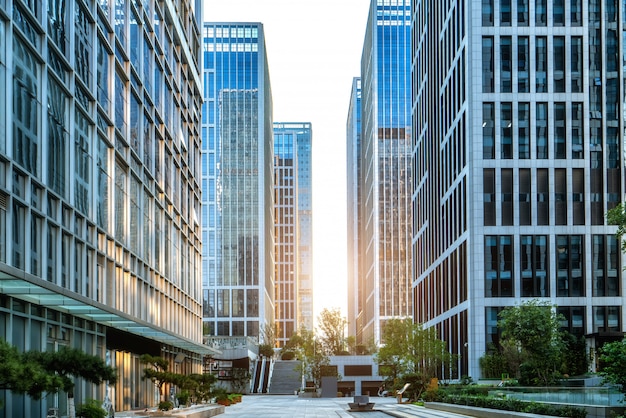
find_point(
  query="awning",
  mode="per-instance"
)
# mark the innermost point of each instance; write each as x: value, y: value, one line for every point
x: 41, y: 292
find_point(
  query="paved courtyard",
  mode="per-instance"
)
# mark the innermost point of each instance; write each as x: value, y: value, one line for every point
x: 290, y: 406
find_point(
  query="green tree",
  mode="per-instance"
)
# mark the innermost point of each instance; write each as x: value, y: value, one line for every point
x: 332, y: 327
x: 409, y: 348
x: 36, y: 372
x: 533, y: 328
x: 617, y: 216
x: 157, y: 372
x: 613, y: 363
x: 313, y: 359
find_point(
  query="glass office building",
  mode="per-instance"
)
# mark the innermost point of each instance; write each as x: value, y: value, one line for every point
x: 353, y: 187
x: 99, y: 188
x: 386, y: 218
x: 293, y: 214
x: 518, y: 141
x: 237, y: 182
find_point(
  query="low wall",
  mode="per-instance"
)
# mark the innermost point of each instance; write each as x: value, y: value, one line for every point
x: 193, y: 412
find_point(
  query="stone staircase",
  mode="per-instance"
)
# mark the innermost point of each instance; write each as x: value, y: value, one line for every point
x: 285, y: 378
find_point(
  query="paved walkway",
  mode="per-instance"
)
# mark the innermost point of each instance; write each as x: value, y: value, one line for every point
x: 290, y: 406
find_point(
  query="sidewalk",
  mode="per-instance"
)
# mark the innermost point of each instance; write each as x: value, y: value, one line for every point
x: 290, y: 406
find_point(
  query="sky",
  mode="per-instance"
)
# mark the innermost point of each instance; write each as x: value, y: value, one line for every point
x: 314, y: 51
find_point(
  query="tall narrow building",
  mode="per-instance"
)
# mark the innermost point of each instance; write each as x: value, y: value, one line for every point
x: 99, y: 189
x: 386, y: 186
x: 353, y: 187
x: 292, y: 183
x: 518, y: 129
x: 237, y: 182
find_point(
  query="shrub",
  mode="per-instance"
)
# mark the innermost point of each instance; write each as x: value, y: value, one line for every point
x: 288, y: 355
x: 91, y: 409
x: 509, y: 404
x: 165, y: 406
x: 266, y: 350
x: 183, y: 397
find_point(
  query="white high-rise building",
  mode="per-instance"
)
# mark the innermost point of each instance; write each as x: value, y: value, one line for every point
x: 518, y: 127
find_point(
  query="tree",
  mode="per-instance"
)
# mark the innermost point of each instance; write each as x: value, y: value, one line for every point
x: 157, y: 372
x: 36, y: 372
x: 613, y: 363
x: 533, y: 328
x: 268, y: 334
x: 409, y: 348
x: 617, y: 216
x: 332, y: 331
x: 313, y: 358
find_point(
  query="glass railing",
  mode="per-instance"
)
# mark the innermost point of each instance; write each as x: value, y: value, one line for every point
x: 597, y: 396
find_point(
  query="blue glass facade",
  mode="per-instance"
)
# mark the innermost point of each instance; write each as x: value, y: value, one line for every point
x: 237, y: 181
x: 386, y: 228
x: 99, y: 189
x: 353, y: 186
x: 293, y: 214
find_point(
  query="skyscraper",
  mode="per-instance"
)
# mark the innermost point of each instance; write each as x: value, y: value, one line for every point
x: 353, y: 183
x: 518, y: 125
x: 237, y: 181
x: 384, y: 283
x: 99, y: 181
x: 292, y: 174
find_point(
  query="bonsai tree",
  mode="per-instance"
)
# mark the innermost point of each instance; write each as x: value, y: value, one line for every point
x: 157, y: 372
x: 37, y: 372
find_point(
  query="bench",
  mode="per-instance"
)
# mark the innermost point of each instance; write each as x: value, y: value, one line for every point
x: 361, y: 403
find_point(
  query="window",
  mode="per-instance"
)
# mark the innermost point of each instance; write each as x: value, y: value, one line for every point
x: 534, y: 265
x: 559, y: 64
x: 488, y: 131
x: 488, y: 83
x: 577, y: 131
x: 576, y: 12
x: 541, y: 122
x: 560, y: 131
x: 26, y: 107
x: 541, y: 12
x: 574, y: 321
x: 525, y: 205
x: 487, y: 12
x: 523, y: 83
x: 541, y: 64
x: 523, y: 130
x: 558, y: 12
x: 505, y: 12
x: 576, y: 72
x: 522, y: 12
x: 606, y: 318
x: 489, y: 196
x: 506, y: 185
x: 560, y: 196
x: 570, y: 262
x: 506, y: 131
x: 543, y: 197
x: 498, y: 266
x: 578, y: 196
x: 605, y: 266
x: 505, y: 64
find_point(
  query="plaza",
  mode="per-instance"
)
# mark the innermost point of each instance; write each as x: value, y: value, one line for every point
x: 290, y: 406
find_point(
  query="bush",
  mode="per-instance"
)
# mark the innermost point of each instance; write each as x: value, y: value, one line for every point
x: 288, y: 355
x: 91, y: 409
x: 509, y: 404
x: 266, y: 350
x: 183, y: 397
x: 165, y: 406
